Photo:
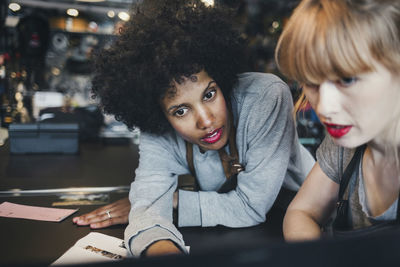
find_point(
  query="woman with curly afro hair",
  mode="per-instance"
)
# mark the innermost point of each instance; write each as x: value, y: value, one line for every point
x: 175, y: 73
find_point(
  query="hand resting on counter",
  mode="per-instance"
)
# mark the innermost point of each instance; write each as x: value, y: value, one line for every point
x: 112, y: 214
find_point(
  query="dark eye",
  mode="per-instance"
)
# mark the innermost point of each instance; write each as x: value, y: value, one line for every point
x: 209, y: 94
x: 347, y: 81
x: 180, y: 112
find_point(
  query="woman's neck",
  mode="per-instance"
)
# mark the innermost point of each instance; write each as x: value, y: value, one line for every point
x: 386, y: 146
x: 383, y: 153
x: 381, y: 178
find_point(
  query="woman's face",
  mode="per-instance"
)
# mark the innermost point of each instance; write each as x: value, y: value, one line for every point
x: 198, y: 112
x: 358, y: 110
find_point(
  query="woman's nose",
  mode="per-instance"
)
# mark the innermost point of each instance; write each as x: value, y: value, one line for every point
x: 328, y: 100
x: 205, y: 118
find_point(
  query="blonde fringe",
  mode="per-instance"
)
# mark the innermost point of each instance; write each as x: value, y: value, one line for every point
x: 300, y: 105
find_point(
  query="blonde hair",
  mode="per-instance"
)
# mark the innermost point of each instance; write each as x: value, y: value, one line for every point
x: 332, y: 39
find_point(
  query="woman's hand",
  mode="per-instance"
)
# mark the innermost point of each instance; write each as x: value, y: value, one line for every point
x: 112, y: 214
x: 162, y: 247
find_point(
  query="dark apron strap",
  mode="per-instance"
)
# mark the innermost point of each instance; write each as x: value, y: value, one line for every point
x: 354, y: 162
x: 189, y: 158
x: 340, y: 222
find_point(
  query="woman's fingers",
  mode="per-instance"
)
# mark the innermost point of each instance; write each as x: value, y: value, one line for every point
x: 96, y: 215
x: 114, y: 213
x: 109, y: 222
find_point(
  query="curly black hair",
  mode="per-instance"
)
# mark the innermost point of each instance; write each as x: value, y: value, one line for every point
x: 164, y: 41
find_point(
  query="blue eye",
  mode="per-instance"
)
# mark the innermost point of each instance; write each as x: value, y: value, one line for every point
x: 209, y: 94
x: 347, y: 81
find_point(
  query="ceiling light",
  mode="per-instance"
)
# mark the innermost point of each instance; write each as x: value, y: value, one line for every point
x: 72, y: 12
x: 208, y: 2
x: 124, y: 16
x: 111, y: 14
x: 14, y: 7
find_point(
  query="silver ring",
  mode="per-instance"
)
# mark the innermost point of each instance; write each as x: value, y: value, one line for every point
x: 108, y: 214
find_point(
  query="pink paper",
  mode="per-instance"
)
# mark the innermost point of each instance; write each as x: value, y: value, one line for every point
x: 12, y: 210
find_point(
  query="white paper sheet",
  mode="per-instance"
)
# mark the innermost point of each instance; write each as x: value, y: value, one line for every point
x: 95, y: 247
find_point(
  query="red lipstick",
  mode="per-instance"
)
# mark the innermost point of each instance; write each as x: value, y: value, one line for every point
x: 213, y: 136
x: 336, y: 130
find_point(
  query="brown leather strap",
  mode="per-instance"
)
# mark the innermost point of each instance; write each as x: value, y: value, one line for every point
x: 230, y: 162
x: 189, y: 157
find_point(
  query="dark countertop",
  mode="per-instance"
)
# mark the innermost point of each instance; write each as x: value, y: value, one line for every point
x: 39, y: 243
x: 97, y: 165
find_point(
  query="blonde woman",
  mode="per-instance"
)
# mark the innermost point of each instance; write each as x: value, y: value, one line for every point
x: 346, y: 56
